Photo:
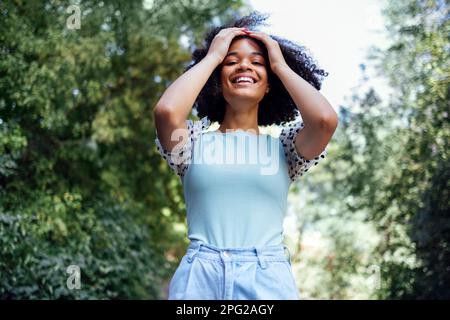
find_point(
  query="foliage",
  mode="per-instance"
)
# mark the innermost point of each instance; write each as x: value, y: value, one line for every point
x: 80, y: 179
x: 392, y: 162
x: 81, y: 182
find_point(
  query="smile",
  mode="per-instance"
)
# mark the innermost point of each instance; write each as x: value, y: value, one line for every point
x: 243, y: 80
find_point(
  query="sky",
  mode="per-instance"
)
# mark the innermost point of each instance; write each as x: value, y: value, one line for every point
x: 336, y: 33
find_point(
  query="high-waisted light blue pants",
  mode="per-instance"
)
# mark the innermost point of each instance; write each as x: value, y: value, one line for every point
x: 257, y: 273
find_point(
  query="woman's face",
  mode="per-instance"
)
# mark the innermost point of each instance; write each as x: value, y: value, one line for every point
x: 244, y: 58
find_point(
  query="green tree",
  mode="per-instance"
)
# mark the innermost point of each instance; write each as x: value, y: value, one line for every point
x: 81, y: 182
x: 389, y: 174
x: 397, y: 146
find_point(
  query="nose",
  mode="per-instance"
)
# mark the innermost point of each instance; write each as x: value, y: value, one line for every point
x: 243, y: 65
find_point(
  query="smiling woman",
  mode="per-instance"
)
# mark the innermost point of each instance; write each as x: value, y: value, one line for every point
x: 277, y: 106
x: 244, y: 80
x: 241, y: 79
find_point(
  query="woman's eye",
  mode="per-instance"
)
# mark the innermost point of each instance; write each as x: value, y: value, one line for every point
x: 229, y: 63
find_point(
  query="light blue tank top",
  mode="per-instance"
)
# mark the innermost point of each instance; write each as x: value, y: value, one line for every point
x: 236, y: 183
x: 231, y: 200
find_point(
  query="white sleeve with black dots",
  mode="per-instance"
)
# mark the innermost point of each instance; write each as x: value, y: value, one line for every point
x: 297, y: 164
x: 180, y: 159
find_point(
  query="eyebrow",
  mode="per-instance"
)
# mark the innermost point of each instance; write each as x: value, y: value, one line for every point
x: 234, y: 53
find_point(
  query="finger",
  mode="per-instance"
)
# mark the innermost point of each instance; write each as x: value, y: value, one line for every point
x: 233, y: 33
x: 228, y: 31
x: 236, y: 31
x: 253, y: 34
x: 257, y: 36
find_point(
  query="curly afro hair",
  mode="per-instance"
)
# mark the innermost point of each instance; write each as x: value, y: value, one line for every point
x: 277, y: 106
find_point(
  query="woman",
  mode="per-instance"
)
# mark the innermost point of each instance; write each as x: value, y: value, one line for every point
x: 241, y: 79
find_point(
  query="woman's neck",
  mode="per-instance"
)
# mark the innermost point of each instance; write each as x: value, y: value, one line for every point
x: 240, y: 121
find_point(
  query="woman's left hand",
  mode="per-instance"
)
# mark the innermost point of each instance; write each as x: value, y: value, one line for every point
x: 275, y: 55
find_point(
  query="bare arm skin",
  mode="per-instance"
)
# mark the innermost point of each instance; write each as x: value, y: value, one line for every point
x: 175, y: 105
x: 318, y: 115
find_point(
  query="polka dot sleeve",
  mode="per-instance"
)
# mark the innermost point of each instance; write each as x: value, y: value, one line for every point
x: 297, y: 164
x: 179, y: 159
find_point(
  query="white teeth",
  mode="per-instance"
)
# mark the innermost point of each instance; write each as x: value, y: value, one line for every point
x: 243, y: 79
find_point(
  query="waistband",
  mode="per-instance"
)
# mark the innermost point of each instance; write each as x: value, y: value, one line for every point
x: 262, y: 254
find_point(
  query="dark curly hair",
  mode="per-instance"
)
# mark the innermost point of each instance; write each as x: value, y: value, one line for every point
x: 277, y: 106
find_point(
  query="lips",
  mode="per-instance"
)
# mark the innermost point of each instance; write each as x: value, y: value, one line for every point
x: 244, y: 75
x: 243, y: 84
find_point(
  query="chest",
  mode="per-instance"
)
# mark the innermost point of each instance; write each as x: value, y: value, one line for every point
x: 239, y: 161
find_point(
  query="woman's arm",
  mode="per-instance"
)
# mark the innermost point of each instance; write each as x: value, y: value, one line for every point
x: 176, y: 103
x: 318, y: 115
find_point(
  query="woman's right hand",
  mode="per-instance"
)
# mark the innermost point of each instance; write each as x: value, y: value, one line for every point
x: 221, y: 42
